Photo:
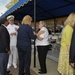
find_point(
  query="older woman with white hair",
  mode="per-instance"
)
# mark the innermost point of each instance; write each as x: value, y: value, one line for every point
x: 25, y: 34
x: 42, y: 46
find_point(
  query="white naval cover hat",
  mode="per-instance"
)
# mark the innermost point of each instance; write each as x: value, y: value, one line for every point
x: 10, y: 17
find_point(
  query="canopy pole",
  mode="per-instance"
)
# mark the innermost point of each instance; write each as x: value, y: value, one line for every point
x: 35, y: 30
x: 55, y: 24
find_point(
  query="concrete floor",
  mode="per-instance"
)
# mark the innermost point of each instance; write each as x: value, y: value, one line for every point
x: 51, y: 67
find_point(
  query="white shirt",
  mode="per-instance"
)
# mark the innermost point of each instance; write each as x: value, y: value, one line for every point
x: 13, y: 38
x: 45, y: 36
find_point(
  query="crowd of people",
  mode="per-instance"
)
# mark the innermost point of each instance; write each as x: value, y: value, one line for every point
x: 15, y: 44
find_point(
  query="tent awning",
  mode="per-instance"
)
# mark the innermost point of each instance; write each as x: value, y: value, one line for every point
x: 46, y: 9
x: 15, y: 7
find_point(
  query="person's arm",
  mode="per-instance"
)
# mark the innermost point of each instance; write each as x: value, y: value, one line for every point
x: 31, y: 34
x: 41, y: 36
x: 12, y: 33
x: 5, y: 40
x: 40, y: 32
x: 68, y: 37
x: 72, y: 50
x: 16, y: 29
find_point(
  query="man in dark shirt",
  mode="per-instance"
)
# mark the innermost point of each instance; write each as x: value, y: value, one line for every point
x: 4, y: 47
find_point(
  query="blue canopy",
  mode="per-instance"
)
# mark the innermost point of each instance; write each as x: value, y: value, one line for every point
x: 45, y: 9
x: 15, y: 7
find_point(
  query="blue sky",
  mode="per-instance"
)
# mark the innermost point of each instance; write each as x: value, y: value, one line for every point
x: 3, y: 3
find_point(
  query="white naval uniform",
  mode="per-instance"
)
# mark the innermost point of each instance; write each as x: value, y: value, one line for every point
x: 13, y: 41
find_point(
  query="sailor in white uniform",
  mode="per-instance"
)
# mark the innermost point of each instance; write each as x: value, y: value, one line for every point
x: 12, y: 29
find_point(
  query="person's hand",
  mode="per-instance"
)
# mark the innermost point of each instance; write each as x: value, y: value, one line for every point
x: 72, y: 64
x: 9, y: 52
x: 35, y: 33
x: 16, y: 29
x: 14, y: 33
x: 11, y: 34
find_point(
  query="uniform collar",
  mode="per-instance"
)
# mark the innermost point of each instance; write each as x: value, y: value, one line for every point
x: 11, y: 25
x: 4, y: 25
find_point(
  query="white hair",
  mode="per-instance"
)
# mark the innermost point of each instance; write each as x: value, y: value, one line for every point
x: 44, y: 24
